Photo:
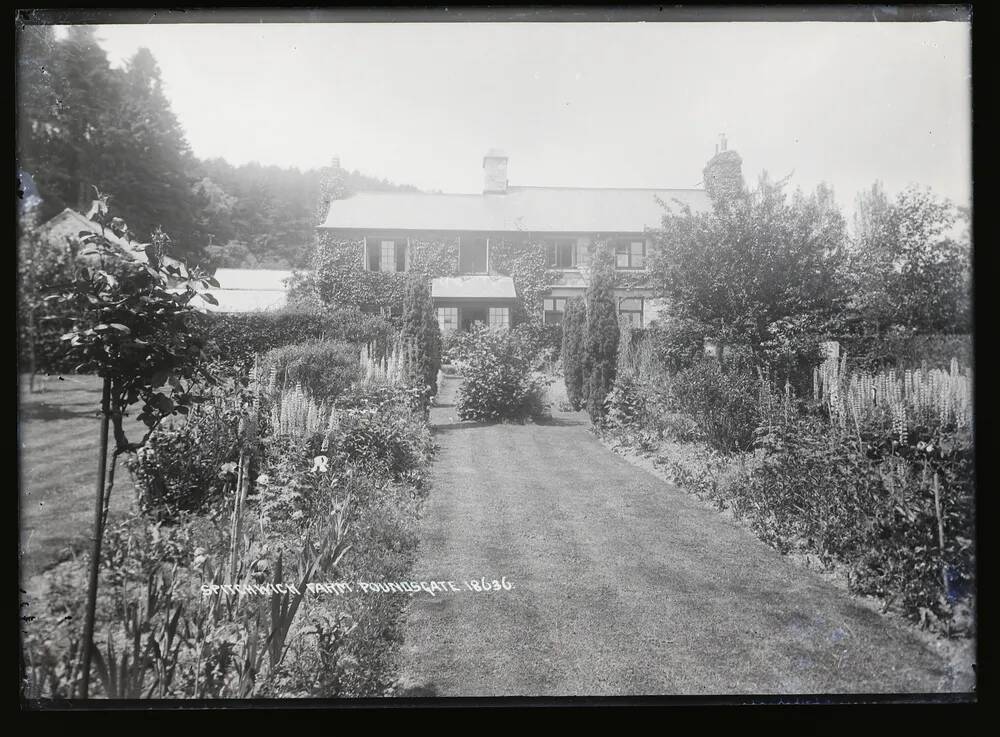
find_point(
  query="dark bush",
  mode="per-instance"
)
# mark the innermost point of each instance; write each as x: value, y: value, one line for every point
x: 871, y: 506
x: 182, y: 468
x: 498, y: 381
x: 723, y: 403
x: 324, y: 368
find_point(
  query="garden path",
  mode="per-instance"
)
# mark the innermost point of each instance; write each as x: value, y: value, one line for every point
x: 623, y: 584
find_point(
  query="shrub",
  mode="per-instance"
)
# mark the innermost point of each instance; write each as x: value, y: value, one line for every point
x: 324, y: 368
x: 602, y: 335
x: 238, y: 337
x: 542, y: 342
x: 458, y: 346
x: 624, y: 406
x: 725, y: 404
x: 872, y: 506
x: 498, y: 382
x: 573, y: 348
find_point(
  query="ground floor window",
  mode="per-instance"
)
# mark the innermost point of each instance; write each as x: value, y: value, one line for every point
x: 499, y: 317
x: 554, y: 309
x: 447, y: 319
x: 630, y: 308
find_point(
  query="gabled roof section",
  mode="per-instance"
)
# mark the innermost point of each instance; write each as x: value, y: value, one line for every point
x: 70, y: 223
x: 473, y: 286
x: 532, y: 209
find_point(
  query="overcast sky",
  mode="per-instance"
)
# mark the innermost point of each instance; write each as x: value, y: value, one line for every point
x: 591, y: 104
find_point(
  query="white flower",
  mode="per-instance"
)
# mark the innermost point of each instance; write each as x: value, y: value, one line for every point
x: 319, y: 464
x: 263, y: 479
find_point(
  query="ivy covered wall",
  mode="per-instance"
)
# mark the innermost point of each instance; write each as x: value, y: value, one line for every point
x: 338, y: 275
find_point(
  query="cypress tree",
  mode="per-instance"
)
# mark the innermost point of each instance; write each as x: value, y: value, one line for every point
x: 602, y: 334
x: 573, y: 346
x: 420, y: 328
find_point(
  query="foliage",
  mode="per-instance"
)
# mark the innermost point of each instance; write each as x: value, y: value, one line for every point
x: 723, y: 403
x: 131, y: 326
x: 458, y: 346
x: 542, y: 342
x: 574, y: 327
x: 421, y: 331
x: 499, y: 384
x: 910, y: 262
x: 873, y: 506
x: 763, y: 271
x: 238, y: 337
x: 41, y: 265
x: 602, y: 334
x: 323, y: 368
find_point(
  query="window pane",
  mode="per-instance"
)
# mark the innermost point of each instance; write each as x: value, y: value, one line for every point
x: 400, y: 255
x: 499, y: 317
x: 621, y: 260
x: 388, y: 262
x: 548, y: 304
x: 638, y: 248
x: 372, y: 255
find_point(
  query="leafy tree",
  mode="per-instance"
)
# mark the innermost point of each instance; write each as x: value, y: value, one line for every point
x: 909, y: 262
x: 763, y: 271
x: 133, y: 329
x: 573, y: 349
x: 602, y: 334
x: 420, y: 328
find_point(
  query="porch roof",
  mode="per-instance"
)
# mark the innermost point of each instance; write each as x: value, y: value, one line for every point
x: 473, y: 286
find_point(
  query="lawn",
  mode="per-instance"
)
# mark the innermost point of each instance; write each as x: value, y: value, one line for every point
x: 58, y: 439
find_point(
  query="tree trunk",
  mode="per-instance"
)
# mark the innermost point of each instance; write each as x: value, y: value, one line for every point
x: 95, y: 553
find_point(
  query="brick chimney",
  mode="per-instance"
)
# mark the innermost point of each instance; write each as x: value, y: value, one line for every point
x: 495, y: 172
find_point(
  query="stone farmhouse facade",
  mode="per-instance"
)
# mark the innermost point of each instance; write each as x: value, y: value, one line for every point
x: 471, y: 245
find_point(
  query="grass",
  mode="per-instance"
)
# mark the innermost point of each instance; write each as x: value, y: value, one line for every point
x: 58, y: 440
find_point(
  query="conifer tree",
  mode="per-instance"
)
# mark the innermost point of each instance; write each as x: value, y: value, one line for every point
x: 573, y: 347
x: 602, y: 333
x: 421, y: 330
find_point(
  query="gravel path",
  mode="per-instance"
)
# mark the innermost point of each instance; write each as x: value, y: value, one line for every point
x: 623, y: 584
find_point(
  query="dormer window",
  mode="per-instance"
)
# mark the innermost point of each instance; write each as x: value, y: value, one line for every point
x: 387, y: 255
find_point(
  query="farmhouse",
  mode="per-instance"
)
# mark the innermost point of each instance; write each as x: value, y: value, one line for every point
x: 388, y: 233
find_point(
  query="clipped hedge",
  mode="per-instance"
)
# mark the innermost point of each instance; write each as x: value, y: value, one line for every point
x: 237, y: 337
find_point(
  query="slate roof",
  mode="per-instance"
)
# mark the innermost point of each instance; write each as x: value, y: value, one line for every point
x: 532, y: 209
x: 250, y: 290
x: 473, y: 286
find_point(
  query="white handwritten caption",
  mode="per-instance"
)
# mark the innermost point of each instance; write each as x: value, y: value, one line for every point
x: 339, y: 588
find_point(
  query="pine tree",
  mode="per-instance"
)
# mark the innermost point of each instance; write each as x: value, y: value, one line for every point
x: 573, y: 347
x: 602, y: 333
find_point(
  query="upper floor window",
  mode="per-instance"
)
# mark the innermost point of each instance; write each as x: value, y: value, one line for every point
x: 630, y: 254
x: 473, y: 255
x: 560, y: 253
x: 385, y: 254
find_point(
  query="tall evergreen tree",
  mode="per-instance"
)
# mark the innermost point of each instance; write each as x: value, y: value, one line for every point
x: 421, y: 330
x: 602, y: 333
x: 573, y: 349
x: 151, y: 160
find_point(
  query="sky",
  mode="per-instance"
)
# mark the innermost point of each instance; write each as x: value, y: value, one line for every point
x: 577, y: 104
